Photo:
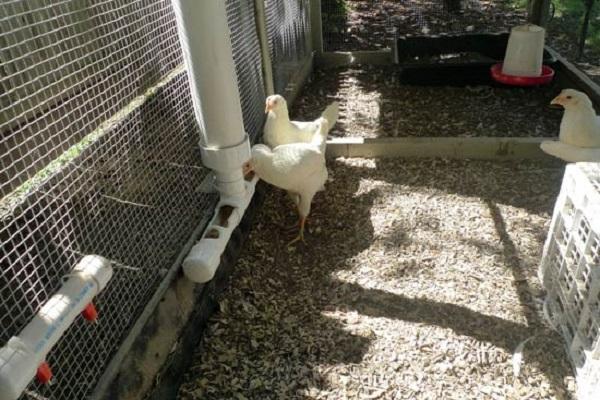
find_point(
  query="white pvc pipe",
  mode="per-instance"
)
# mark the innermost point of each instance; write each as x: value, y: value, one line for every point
x: 205, y: 256
x: 206, y: 43
x: 22, y: 355
x: 204, y: 35
x: 205, y: 39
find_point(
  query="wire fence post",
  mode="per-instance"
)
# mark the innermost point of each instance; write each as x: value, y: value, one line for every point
x: 316, y: 26
x: 539, y: 12
x: 263, y: 37
x: 585, y: 25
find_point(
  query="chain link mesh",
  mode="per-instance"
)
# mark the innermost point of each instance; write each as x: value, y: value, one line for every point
x: 288, y: 29
x: 100, y: 156
x: 352, y: 25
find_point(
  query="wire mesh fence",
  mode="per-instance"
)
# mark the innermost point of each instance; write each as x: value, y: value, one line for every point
x: 352, y: 25
x: 64, y: 56
x: 247, y: 57
x: 288, y: 29
x: 100, y: 156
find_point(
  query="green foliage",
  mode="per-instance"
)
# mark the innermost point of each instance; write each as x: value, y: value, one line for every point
x: 569, y: 7
x: 520, y: 4
x: 573, y: 11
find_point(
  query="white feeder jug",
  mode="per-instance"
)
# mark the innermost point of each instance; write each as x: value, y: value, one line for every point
x: 525, y: 51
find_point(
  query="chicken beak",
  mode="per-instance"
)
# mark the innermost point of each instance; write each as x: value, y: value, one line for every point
x: 557, y: 101
x: 247, y: 169
x: 269, y: 105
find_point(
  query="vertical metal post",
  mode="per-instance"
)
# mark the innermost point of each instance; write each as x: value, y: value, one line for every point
x: 316, y: 26
x: 263, y: 37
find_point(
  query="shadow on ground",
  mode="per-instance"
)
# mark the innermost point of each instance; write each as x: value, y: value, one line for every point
x: 274, y: 337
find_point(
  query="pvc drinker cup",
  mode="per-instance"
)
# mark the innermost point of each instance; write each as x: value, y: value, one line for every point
x: 525, y: 51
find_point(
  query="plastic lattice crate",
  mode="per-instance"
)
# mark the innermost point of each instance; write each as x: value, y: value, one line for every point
x: 570, y: 272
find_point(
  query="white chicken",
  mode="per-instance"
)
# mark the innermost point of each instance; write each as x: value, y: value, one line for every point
x: 298, y: 168
x: 580, y: 126
x: 280, y: 130
x: 579, y: 138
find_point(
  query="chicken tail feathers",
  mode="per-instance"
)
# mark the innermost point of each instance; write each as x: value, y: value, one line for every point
x: 570, y: 153
x: 331, y: 114
x: 320, y: 137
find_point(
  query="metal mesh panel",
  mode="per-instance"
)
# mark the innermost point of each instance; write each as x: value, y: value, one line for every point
x: 130, y: 196
x: 247, y: 57
x: 100, y: 155
x: 288, y: 28
x: 371, y: 24
x: 59, y: 59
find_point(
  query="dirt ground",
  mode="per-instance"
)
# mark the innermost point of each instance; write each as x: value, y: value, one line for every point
x: 368, y: 25
x: 375, y: 103
x: 418, y: 281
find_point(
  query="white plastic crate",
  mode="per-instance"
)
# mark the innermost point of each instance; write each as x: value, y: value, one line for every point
x: 570, y: 272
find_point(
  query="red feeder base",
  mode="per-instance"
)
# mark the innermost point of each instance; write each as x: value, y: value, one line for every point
x: 544, y: 79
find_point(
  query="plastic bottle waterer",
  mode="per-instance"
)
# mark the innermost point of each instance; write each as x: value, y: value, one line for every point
x: 525, y: 51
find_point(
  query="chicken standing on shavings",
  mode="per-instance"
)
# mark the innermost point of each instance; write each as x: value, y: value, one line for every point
x: 298, y: 168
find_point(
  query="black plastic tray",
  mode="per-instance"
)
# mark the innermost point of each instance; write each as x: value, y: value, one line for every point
x: 490, y: 47
x: 421, y: 62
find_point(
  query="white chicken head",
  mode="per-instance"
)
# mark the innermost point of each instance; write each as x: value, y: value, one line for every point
x: 275, y: 103
x: 572, y: 99
x: 259, y: 152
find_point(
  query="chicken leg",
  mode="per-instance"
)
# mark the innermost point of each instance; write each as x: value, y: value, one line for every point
x: 296, y: 200
x: 300, y: 236
x: 303, y: 211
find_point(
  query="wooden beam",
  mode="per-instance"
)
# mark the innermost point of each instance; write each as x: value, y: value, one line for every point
x: 492, y: 148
